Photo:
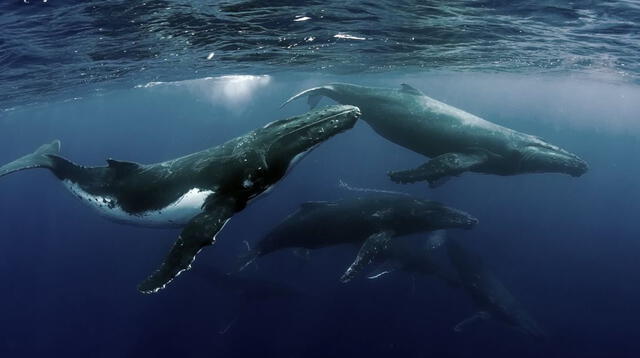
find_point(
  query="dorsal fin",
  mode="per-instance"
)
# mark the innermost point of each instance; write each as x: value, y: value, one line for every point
x: 408, y: 89
x: 121, y: 166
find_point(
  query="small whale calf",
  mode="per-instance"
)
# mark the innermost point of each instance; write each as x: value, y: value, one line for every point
x: 370, y: 221
x: 456, y: 141
x: 199, y: 192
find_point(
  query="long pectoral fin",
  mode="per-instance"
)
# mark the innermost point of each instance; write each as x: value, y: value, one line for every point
x: 200, y: 232
x: 385, y: 268
x: 369, y: 250
x: 478, y: 316
x: 438, y: 169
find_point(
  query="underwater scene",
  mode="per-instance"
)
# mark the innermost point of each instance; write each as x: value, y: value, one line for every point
x: 319, y: 178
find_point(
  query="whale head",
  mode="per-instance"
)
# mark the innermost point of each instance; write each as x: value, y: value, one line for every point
x: 444, y: 217
x: 419, y: 215
x: 542, y: 157
x: 288, y: 139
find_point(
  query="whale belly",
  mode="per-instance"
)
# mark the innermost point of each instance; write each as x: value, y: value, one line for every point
x: 174, y: 215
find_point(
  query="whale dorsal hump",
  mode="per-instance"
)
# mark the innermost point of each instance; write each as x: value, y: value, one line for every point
x: 408, y: 89
x: 121, y: 166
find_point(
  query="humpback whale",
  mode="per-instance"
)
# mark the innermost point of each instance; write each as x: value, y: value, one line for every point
x: 455, y: 140
x: 370, y: 221
x: 199, y: 192
x: 490, y: 296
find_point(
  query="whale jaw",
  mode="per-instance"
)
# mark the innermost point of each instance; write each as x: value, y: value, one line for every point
x: 552, y: 159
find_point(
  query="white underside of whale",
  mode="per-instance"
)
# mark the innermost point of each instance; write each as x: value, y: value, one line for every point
x: 174, y: 215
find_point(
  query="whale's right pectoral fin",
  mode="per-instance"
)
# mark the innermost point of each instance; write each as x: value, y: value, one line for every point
x: 439, y: 169
x: 200, y: 232
x: 369, y: 250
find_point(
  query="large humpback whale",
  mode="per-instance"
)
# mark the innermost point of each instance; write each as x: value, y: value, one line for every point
x: 456, y: 141
x: 370, y: 221
x: 491, y: 297
x: 200, y: 191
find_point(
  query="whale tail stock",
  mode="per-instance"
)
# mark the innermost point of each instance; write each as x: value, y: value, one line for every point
x: 315, y: 94
x: 40, y: 158
x: 46, y: 156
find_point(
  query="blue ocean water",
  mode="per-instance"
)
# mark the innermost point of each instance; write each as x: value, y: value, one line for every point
x: 566, y: 247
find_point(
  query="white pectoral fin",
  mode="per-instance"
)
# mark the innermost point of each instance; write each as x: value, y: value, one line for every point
x: 369, y: 250
x: 199, y: 232
x: 382, y: 270
x: 439, y: 169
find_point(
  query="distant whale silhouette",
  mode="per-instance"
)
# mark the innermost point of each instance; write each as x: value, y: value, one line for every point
x: 456, y: 141
x: 370, y: 221
x: 247, y: 292
x: 200, y: 191
x: 248, y: 289
x: 490, y: 296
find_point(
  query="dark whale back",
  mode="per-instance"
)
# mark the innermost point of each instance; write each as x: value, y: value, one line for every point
x: 352, y: 221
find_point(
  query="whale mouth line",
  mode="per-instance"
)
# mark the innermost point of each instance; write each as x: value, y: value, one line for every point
x: 543, y: 159
x: 351, y: 109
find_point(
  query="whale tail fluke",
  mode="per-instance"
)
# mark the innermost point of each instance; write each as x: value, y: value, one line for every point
x: 315, y: 94
x: 40, y: 158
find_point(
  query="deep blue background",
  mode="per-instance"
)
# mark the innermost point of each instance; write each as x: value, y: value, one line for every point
x: 566, y: 247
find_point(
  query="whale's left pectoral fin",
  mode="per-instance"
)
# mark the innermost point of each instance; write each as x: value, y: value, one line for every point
x: 200, y: 232
x: 369, y: 250
x: 385, y: 268
x: 439, y: 169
